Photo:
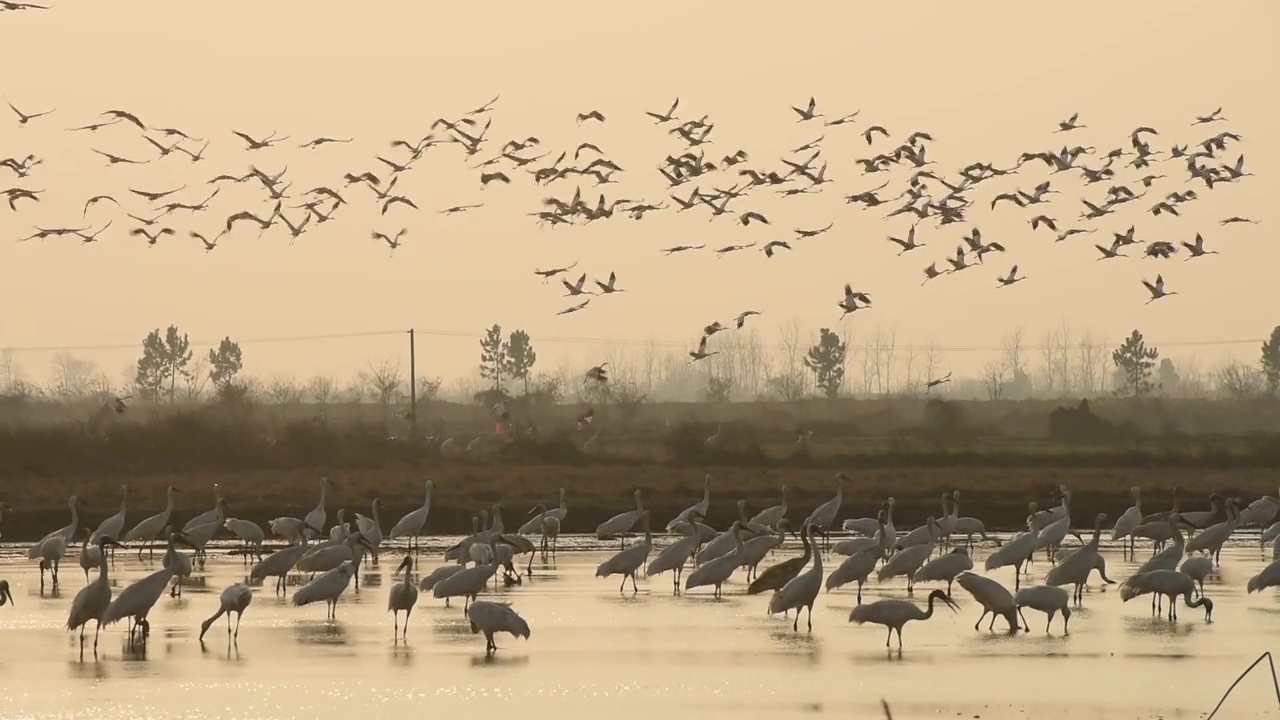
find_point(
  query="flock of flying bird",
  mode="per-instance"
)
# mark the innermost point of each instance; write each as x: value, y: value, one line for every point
x: 937, y: 551
x: 731, y: 190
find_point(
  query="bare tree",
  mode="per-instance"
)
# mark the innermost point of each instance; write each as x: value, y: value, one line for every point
x: 995, y: 375
x: 10, y: 371
x: 1091, y: 368
x: 649, y: 366
x: 282, y: 390
x: 320, y: 389
x: 73, y: 378
x: 1048, y: 362
x: 1066, y: 378
x: 1014, y: 359
x: 1238, y: 381
x: 869, y: 367
x: 790, y: 382
x: 910, y: 386
x: 196, y: 380
x: 384, y: 381
x: 886, y: 347
x: 932, y: 361
x: 1192, y: 382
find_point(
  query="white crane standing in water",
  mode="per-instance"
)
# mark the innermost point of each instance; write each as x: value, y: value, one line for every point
x: 316, y: 518
x: 629, y: 561
x: 403, y: 596
x: 113, y: 527
x: 146, y: 532
x: 234, y: 599
x: 328, y: 587
x: 894, y: 614
x: 413, y: 522
x: 207, y: 516
x: 92, y: 600
x: 802, y: 590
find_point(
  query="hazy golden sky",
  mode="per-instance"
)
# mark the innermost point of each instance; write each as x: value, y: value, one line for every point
x: 988, y: 80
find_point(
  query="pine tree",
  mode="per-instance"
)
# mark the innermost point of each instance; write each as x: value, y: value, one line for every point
x: 826, y: 360
x: 493, y: 353
x: 519, y: 357
x: 1136, y: 361
x: 1271, y: 361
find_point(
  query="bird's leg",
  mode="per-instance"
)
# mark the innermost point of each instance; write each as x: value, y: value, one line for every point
x: 899, y: 638
x: 888, y: 638
x: 395, y: 619
x: 634, y: 589
x: 808, y: 618
x: 407, y: 613
x: 1048, y: 623
x: 97, y: 630
x: 859, y: 592
x: 795, y: 624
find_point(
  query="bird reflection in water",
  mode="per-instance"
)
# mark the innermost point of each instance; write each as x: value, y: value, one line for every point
x: 496, y: 660
x: 806, y: 645
x: 322, y: 633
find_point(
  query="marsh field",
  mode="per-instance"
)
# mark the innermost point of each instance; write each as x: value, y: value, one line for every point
x: 268, y: 458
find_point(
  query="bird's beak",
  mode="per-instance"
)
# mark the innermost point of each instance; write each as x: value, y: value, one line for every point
x: 533, y: 512
x: 406, y: 564
x: 108, y: 541
x: 177, y: 489
x: 951, y: 604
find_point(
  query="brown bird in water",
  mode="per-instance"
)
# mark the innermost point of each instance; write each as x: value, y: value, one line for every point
x: 782, y: 573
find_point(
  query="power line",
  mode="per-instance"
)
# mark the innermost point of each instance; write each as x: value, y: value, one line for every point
x: 583, y: 340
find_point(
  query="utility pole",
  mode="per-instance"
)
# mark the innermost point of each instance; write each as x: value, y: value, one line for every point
x: 413, y: 387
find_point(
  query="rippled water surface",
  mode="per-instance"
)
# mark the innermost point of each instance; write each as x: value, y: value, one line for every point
x: 596, y: 653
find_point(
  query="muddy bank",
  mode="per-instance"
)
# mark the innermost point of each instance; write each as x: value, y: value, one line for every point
x: 594, y: 493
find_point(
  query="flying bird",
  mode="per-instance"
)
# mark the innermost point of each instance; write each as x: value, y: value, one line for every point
x: 24, y: 118
x: 1069, y: 124
x: 742, y: 317
x: 812, y: 233
x: 809, y: 112
x: 575, y: 308
x: 262, y: 144
x: 313, y: 144
x: 1011, y: 278
x: 668, y: 116
x: 593, y: 115
x: 701, y: 353
x: 773, y: 246
x: 1157, y: 289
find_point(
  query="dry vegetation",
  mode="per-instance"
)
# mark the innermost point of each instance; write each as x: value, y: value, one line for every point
x: 268, y: 456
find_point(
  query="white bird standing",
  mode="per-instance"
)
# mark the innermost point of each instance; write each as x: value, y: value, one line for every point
x: 1169, y: 583
x: 1052, y: 535
x: 548, y: 528
x: 621, y: 523
x: 801, y: 591
x: 559, y: 513
x: 491, y: 618
x: 136, y: 600
x: 701, y: 507
x: 1129, y: 521
x: 825, y: 514
x: 1198, y: 568
x: 894, y: 614
x: 944, y: 567
x: 771, y: 516
x: 403, y: 596
x: 149, y: 529
x: 412, y: 523
x: 1211, y: 539
x: 1261, y: 511
x: 250, y: 533
x: 1048, y: 600
x: 906, y: 562
x: 328, y: 587
x: 994, y: 598
x: 968, y: 526
x: 315, y: 518
x: 717, y: 571
x: 467, y: 583
x: 234, y: 599
x: 1075, y: 568
x: 675, y: 556
x: 629, y: 561
x: 754, y: 550
x: 1017, y: 551
x: 66, y: 535
x: 371, y: 528
x: 113, y: 527
x: 278, y: 564
x: 207, y: 516
x: 92, y: 600
x: 857, y: 566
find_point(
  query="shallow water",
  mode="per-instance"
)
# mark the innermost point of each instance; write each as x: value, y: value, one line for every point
x: 594, y: 652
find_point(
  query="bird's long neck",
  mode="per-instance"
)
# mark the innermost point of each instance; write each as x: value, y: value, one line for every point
x: 639, y: 505
x: 168, y: 503
x: 75, y: 518
x: 204, y: 626
x: 426, y: 503
x: 376, y: 519
x: 324, y: 493
x: 928, y: 613
x: 807, y: 541
x: 562, y: 505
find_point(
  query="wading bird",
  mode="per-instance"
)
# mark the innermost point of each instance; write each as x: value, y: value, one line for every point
x: 234, y: 599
